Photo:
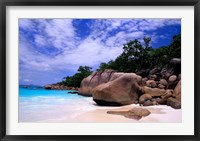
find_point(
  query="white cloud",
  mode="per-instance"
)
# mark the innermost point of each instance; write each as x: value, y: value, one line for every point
x: 102, y: 44
x: 26, y: 24
x: 40, y: 40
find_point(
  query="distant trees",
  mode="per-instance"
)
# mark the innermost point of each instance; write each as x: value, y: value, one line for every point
x: 137, y: 56
x: 75, y: 80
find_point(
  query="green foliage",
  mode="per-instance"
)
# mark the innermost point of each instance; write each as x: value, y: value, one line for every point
x: 75, y: 80
x: 110, y: 65
x: 137, y: 56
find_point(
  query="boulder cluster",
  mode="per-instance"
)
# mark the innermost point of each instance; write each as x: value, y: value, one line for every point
x: 146, y: 87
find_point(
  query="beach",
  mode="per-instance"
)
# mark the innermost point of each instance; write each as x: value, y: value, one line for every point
x: 58, y: 106
x: 159, y: 114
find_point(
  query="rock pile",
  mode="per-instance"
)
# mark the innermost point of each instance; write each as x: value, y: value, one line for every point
x: 146, y: 87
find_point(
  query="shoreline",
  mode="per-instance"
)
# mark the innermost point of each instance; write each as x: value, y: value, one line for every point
x: 98, y: 114
x: 81, y: 109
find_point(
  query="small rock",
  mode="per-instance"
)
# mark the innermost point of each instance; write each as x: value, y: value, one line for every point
x: 158, y: 100
x: 155, y: 70
x: 153, y: 77
x: 172, y: 85
x: 148, y: 103
x: 174, y: 103
x: 144, y: 81
x: 151, y: 83
x: 154, y: 102
x: 172, y: 78
x: 160, y: 86
x: 163, y: 82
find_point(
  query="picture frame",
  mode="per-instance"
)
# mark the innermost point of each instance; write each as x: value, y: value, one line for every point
x: 3, y: 71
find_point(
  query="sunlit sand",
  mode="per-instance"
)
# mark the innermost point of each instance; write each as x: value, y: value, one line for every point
x: 85, y: 110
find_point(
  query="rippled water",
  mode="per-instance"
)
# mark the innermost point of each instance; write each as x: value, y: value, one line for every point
x: 40, y: 105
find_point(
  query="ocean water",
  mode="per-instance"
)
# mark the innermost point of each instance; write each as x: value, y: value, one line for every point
x: 40, y: 105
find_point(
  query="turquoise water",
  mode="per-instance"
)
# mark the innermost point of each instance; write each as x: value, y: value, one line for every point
x: 40, y: 105
x: 37, y: 91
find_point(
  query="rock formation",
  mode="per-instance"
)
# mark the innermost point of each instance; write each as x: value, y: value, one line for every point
x: 153, y: 87
x: 121, y: 91
x: 135, y: 113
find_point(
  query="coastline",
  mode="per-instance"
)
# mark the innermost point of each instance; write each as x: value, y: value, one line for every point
x: 95, y: 113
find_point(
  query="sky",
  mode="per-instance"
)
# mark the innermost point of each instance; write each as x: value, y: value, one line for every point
x: 50, y: 49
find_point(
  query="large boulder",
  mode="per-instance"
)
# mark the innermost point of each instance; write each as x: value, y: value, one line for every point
x: 101, y: 77
x: 93, y: 80
x: 121, y: 91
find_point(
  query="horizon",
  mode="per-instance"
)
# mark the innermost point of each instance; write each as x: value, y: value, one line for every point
x: 50, y: 49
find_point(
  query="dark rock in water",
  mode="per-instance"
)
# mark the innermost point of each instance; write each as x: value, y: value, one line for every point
x: 174, y: 103
x: 25, y: 86
x: 48, y: 87
x: 135, y: 113
x: 73, y: 92
x: 85, y: 95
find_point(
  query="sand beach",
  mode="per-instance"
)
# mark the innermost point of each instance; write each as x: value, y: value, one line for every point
x: 89, y: 112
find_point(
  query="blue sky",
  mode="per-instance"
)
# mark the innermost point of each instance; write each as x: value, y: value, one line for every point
x: 50, y: 49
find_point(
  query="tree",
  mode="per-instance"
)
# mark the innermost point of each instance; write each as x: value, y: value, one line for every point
x: 137, y: 56
x: 75, y: 80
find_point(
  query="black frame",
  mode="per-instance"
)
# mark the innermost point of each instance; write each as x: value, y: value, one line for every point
x: 4, y: 3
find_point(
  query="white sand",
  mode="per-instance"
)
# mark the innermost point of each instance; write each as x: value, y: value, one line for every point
x: 90, y: 112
